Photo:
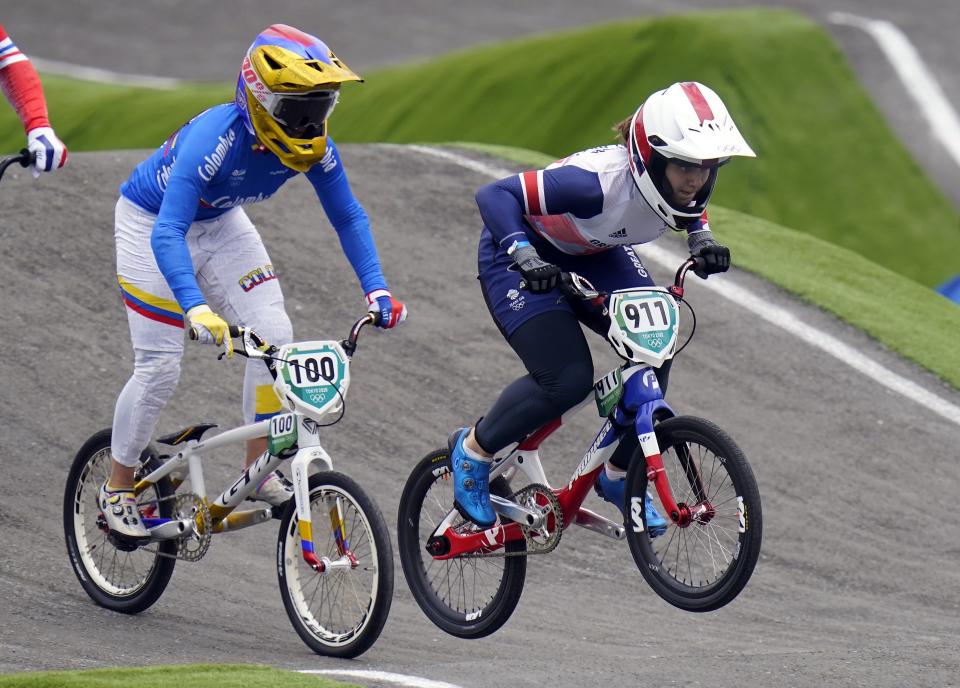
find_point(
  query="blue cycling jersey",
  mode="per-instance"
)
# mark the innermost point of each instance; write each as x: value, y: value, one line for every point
x: 212, y: 164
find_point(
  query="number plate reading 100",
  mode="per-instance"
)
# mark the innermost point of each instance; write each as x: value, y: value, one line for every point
x: 313, y: 369
x: 313, y: 377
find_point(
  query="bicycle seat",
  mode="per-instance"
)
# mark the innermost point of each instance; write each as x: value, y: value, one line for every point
x: 194, y: 432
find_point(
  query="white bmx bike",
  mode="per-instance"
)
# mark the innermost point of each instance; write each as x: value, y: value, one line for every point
x: 336, y: 581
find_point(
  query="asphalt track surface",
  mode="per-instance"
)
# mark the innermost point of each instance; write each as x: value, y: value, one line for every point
x: 203, y: 40
x: 857, y: 584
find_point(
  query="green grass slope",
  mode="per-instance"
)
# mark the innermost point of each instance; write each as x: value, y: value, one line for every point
x: 905, y: 316
x: 93, y: 116
x: 827, y: 164
x: 192, y: 675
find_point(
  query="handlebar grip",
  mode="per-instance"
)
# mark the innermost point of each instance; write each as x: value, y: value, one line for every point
x: 235, y: 331
x: 26, y: 157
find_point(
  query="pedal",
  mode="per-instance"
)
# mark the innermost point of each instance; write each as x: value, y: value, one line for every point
x: 124, y: 543
x: 598, y: 524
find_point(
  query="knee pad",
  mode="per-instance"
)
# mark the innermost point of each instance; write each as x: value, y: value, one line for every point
x: 157, y: 371
x: 572, y: 384
x: 141, y: 401
x: 259, y: 400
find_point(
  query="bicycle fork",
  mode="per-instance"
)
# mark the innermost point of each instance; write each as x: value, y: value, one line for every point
x: 309, y: 451
x: 642, y: 396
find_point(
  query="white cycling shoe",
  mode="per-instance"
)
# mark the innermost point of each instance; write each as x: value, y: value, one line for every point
x: 119, y: 508
x: 273, y: 490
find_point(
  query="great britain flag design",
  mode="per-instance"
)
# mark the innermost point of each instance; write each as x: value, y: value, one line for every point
x: 9, y: 53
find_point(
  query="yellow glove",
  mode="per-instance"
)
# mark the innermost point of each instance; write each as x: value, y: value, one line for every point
x: 209, y: 326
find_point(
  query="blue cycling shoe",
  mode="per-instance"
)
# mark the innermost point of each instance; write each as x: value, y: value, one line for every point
x: 614, y: 491
x: 471, y: 482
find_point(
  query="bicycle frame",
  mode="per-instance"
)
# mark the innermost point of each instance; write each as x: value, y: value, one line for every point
x: 642, y: 397
x: 308, y: 451
x: 641, y: 405
x: 222, y: 508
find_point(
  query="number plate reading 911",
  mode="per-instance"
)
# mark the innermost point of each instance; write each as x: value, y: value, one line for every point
x: 648, y: 319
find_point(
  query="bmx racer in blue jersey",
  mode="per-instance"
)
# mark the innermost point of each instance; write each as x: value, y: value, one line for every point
x: 188, y: 255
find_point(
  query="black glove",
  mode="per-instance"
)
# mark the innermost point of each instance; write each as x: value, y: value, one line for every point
x: 716, y: 257
x: 539, y: 275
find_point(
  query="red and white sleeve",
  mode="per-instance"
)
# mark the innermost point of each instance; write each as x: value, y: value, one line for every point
x: 21, y: 85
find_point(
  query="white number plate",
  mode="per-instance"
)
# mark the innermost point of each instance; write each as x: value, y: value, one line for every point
x: 648, y: 319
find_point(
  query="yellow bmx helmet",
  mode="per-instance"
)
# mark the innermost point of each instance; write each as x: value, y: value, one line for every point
x: 288, y: 86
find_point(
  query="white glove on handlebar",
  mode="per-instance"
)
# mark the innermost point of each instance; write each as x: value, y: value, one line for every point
x: 49, y: 150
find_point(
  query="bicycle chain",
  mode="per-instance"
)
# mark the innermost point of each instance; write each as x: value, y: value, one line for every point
x: 190, y: 547
x: 533, y: 546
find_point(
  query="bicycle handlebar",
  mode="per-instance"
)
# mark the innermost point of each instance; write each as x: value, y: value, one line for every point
x: 25, y: 158
x: 349, y: 344
x: 574, y: 286
x: 235, y: 332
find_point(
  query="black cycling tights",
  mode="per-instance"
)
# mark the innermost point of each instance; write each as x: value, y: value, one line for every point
x: 555, y: 352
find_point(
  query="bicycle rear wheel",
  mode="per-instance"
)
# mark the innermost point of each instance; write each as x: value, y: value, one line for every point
x: 468, y: 597
x: 704, y: 565
x: 340, y: 612
x: 123, y: 581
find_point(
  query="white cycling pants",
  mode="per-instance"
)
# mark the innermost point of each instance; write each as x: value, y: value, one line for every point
x: 237, y: 278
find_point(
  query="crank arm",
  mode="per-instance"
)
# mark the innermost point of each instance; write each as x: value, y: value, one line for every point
x: 598, y: 524
x: 516, y: 513
x: 171, y: 530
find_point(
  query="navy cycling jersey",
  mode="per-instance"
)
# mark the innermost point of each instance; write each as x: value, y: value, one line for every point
x: 582, y: 204
x: 212, y: 164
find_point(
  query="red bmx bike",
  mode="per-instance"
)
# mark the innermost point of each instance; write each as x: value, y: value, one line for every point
x: 468, y: 580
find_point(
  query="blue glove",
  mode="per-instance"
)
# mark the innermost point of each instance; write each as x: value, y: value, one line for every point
x: 392, y: 312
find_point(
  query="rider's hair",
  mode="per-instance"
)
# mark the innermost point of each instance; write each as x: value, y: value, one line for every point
x: 622, y: 130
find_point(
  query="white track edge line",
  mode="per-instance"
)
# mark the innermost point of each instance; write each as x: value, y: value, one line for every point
x: 916, y: 77
x: 104, y: 76
x: 773, y: 314
x: 383, y: 676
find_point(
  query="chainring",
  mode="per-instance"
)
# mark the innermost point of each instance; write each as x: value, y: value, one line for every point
x: 540, y: 498
x: 192, y: 546
x: 538, y: 541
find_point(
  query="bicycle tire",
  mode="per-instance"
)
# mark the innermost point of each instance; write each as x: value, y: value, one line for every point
x: 97, y: 563
x: 456, y: 617
x: 318, y: 625
x: 731, y: 535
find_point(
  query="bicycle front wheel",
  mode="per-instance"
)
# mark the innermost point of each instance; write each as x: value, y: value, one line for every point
x: 341, y: 611
x: 121, y: 580
x: 468, y: 597
x: 704, y: 564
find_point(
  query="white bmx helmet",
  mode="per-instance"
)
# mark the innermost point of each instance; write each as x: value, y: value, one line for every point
x: 686, y: 123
